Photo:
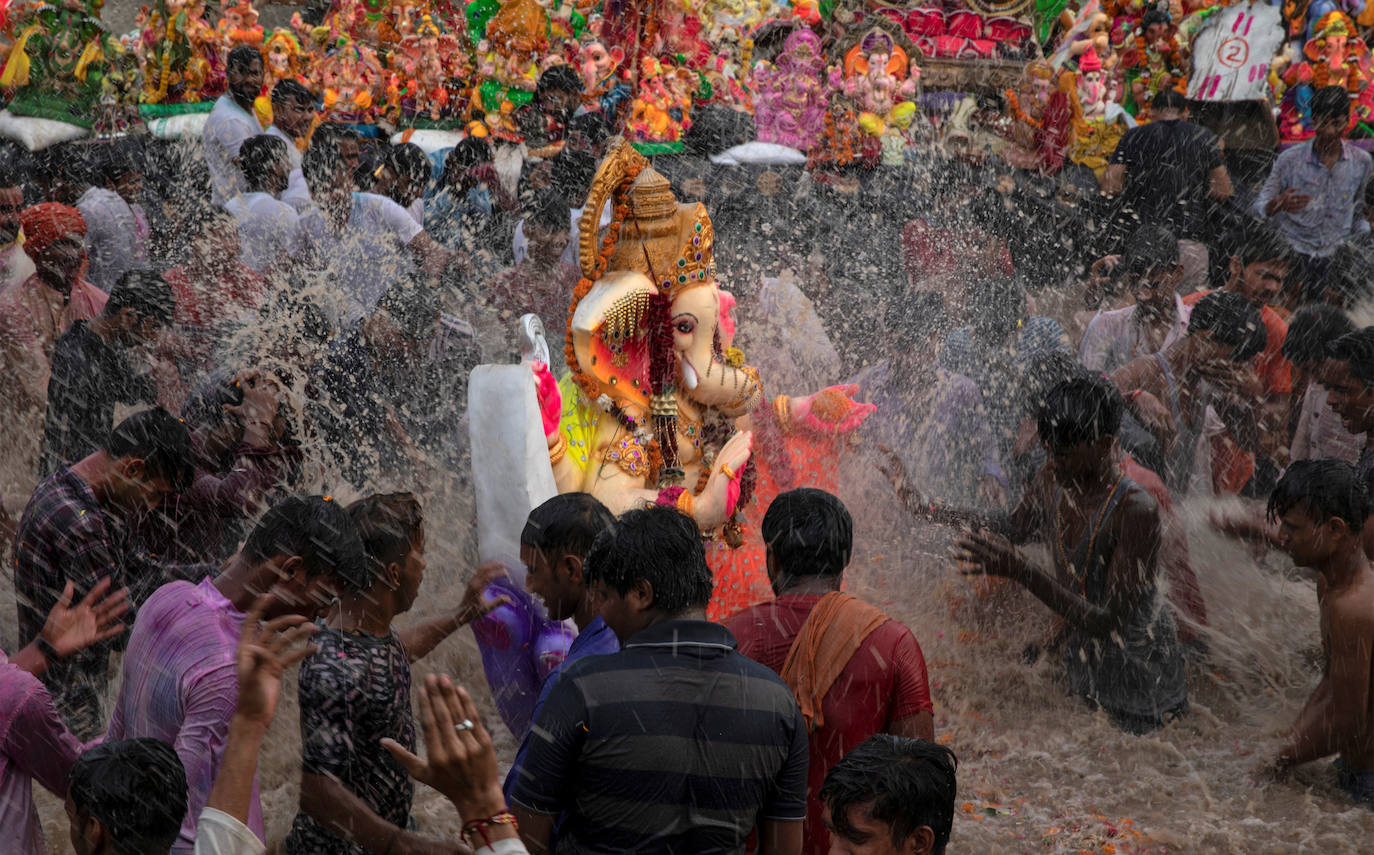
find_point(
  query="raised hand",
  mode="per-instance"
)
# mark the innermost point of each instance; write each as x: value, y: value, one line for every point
x: 831, y: 411
x: 475, y: 604
x: 460, y: 760
x: 265, y: 651
x: 94, y: 619
x: 991, y: 554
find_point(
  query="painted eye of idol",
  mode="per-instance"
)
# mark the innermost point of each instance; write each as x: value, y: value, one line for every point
x: 685, y: 325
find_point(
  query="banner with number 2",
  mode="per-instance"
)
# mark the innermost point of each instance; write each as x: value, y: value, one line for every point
x: 1232, y: 52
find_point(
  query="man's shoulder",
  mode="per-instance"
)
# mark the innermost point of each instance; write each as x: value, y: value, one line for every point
x: 173, y: 596
x: 58, y: 505
x: 1138, y: 508
x: 1353, y: 608
x: 183, y: 611
x: 759, y: 626
x: 1297, y: 154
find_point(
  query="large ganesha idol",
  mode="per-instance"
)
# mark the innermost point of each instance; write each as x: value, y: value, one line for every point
x: 657, y: 407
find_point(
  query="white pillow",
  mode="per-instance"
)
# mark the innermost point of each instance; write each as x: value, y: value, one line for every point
x: 428, y: 140
x: 180, y: 127
x: 35, y: 134
x: 759, y: 152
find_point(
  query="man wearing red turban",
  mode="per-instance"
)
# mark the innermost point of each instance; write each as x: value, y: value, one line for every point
x: 33, y: 314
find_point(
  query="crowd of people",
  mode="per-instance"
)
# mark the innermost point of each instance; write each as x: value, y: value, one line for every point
x: 315, y: 323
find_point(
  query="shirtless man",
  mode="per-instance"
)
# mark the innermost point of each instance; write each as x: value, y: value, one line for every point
x: 1119, y: 651
x: 1169, y: 391
x: 1321, y: 506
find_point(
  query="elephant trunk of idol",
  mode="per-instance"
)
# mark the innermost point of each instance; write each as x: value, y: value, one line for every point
x: 711, y: 383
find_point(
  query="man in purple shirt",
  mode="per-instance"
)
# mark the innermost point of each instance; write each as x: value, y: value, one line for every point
x: 179, y: 679
x: 34, y: 744
x: 74, y: 529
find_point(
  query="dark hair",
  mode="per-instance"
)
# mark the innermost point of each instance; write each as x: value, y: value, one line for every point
x: 469, y: 152
x: 1350, y: 273
x: 321, y: 165
x: 331, y: 133
x: 258, y: 155
x: 136, y: 789
x: 550, y: 210
x: 288, y: 89
x: 1048, y: 369
x: 1232, y: 320
x: 567, y: 523
x: 996, y: 305
x: 1324, y: 488
x: 413, y: 309
x: 388, y: 525
x: 204, y: 407
x: 111, y: 161
x: 559, y: 78
x: 1356, y: 349
x: 243, y: 57
x: 1150, y: 248
x: 1080, y: 410
x: 318, y: 530
x: 660, y: 546
x: 1331, y: 102
x: 572, y: 174
x: 917, y: 311
x: 1149, y: 19
x: 10, y: 174
x: 1168, y: 99
x: 809, y: 532
x: 408, y: 160
x: 161, y: 440
x: 1257, y: 241
x: 68, y: 162
x: 906, y: 783
x: 1311, y: 331
x: 591, y: 128
x: 146, y: 293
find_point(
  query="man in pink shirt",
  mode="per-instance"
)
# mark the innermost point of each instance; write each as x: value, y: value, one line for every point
x: 180, y: 681
x: 34, y: 744
x: 33, y: 315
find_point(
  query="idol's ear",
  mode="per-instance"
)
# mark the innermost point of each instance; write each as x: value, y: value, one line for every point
x: 897, y: 63
x: 617, y: 169
x: 610, y: 336
x: 617, y: 55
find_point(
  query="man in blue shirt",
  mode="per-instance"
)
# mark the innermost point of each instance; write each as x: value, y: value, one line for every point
x: 677, y: 743
x: 553, y: 546
x: 1315, y: 193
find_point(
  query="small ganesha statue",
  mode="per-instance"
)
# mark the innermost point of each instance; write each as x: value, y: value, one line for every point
x: 791, y: 97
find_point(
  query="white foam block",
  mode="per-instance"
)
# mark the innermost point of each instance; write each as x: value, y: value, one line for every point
x: 184, y: 126
x: 510, y: 458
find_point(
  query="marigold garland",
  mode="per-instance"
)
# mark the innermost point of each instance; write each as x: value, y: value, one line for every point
x: 1015, y: 104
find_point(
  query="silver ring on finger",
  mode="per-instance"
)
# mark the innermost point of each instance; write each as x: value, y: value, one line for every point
x: 465, y: 724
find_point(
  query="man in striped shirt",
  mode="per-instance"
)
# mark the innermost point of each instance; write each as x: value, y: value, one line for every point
x: 676, y: 744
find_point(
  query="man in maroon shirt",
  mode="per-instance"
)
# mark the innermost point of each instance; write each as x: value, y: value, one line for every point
x: 854, y: 671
